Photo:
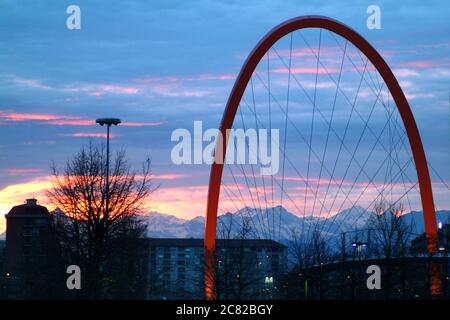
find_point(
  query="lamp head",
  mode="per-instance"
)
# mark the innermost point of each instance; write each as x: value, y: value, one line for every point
x: 108, y: 121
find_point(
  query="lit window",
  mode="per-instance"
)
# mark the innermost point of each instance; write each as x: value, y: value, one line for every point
x: 268, y: 280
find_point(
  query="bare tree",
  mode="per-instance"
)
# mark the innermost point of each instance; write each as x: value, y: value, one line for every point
x: 91, y: 231
x: 238, y: 272
x: 244, y: 262
x: 310, y: 251
x: 390, y: 236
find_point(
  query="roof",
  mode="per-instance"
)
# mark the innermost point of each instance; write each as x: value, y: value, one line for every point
x: 28, y: 209
x: 192, y: 242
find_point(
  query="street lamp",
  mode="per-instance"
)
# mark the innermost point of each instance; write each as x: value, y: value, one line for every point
x: 358, y: 245
x: 108, y: 122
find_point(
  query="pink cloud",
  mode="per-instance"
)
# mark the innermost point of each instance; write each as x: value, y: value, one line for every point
x: 173, y: 86
x: 434, y: 45
x: 314, y: 181
x: 34, y: 83
x: 168, y: 176
x: 47, y: 142
x: 15, y: 116
x: 418, y: 95
x: 405, y: 72
x: 424, y: 64
x: 87, y: 134
x: 118, y: 89
x: 175, y: 90
x: 71, y: 99
x: 91, y: 89
x: 175, y: 78
x: 63, y: 120
x: 98, y: 90
x: 223, y: 77
x: 306, y: 70
x: 142, y: 124
x: 72, y: 122
x: 21, y: 171
x: 165, y: 85
x: 306, y: 52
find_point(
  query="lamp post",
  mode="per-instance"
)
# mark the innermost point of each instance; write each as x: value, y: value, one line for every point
x: 358, y: 245
x: 108, y: 122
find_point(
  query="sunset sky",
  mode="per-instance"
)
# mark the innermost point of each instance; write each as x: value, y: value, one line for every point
x: 160, y: 65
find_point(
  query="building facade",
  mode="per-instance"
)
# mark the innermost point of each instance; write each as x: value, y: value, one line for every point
x: 245, y: 269
x: 31, y: 257
x: 2, y: 274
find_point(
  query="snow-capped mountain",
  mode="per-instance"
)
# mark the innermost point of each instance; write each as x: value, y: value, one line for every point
x: 415, y: 218
x: 275, y: 222
x: 261, y: 223
x: 355, y: 217
x: 160, y: 225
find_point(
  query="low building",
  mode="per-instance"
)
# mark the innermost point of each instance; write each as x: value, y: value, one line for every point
x: 245, y: 269
x: 419, y: 244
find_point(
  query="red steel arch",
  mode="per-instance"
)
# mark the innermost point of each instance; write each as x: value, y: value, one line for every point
x: 242, y: 80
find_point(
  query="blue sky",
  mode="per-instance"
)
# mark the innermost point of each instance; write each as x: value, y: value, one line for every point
x: 160, y: 65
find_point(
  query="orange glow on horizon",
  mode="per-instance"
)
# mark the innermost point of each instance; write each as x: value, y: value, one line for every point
x: 16, y: 194
x: 183, y: 202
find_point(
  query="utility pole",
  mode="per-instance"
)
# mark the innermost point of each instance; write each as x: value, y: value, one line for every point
x: 343, y: 246
x: 343, y: 275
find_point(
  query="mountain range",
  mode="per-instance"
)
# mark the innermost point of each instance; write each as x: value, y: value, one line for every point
x: 262, y: 222
x: 265, y: 222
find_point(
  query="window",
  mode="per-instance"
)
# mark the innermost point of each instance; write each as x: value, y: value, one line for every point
x: 181, y: 262
x: 26, y: 232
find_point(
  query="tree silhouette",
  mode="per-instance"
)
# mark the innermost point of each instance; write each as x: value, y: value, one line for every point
x: 91, y: 233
